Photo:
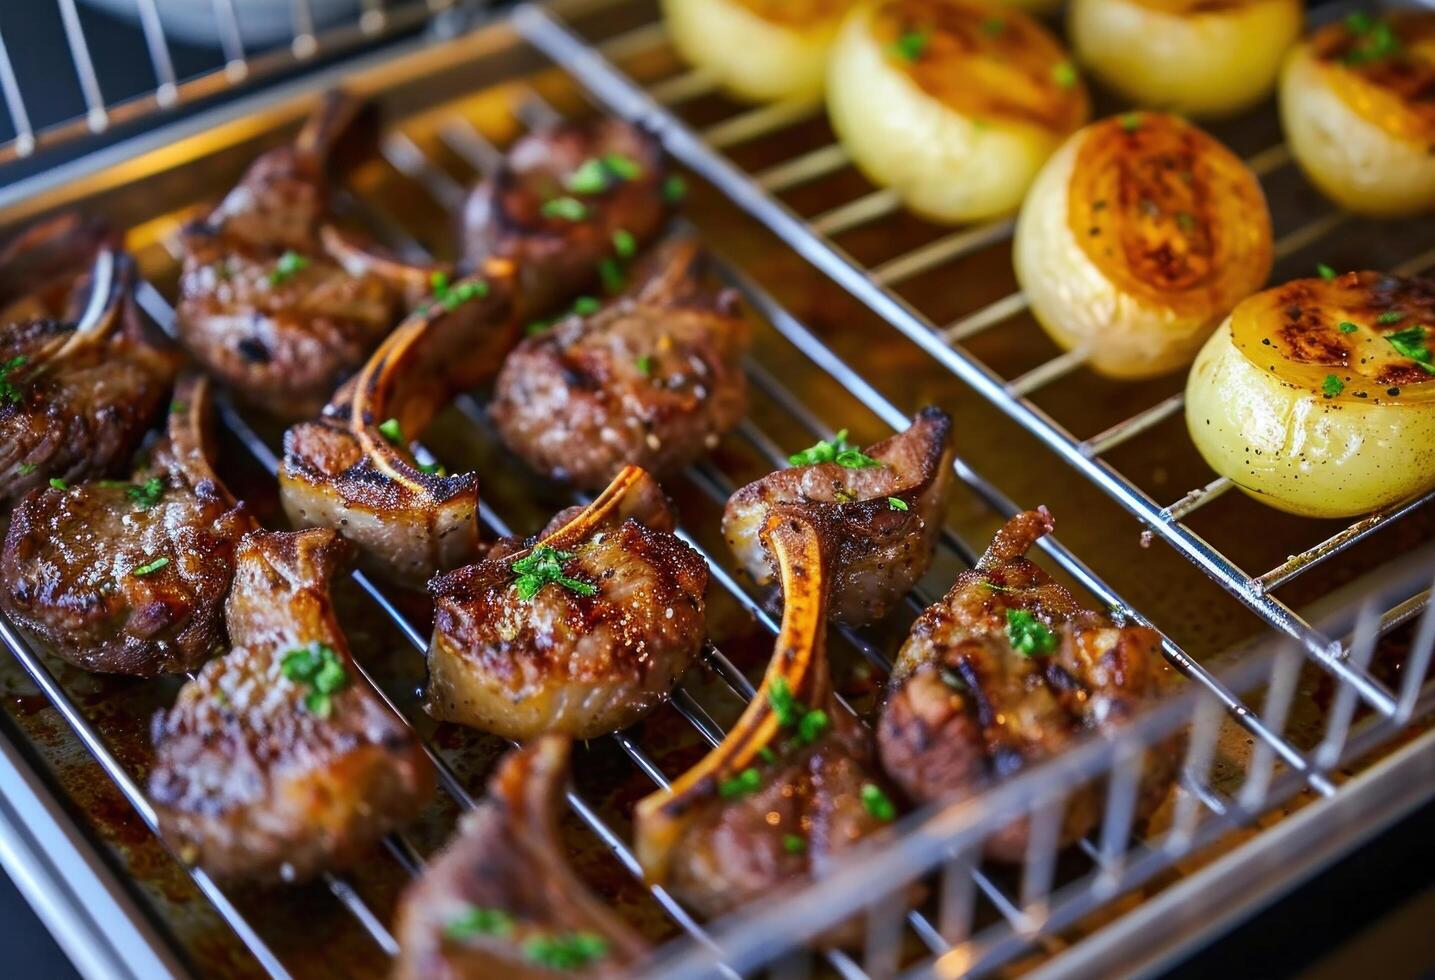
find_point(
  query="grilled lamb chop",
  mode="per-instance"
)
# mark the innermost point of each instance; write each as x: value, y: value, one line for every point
x: 1007, y: 669
x: 130, y: 578
x: 881, y: 509
x: 568, y: 206
x: 277, y: 301
x: 581, y: 632
x: 652, y: 380
x: 501, y: 900
x: 791, y: 788
x: 351, y: 469
x: 277, y: 762
x: 82, y: 375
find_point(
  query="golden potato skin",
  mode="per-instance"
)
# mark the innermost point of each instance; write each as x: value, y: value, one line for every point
x: 1138, y: 236
x: 959, y: 124
x: 759, y: 50
x: 1202, y: 58
x: 1356, y: 107
x: 1308, y: 398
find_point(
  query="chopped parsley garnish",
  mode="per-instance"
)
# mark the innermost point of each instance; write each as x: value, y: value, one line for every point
x: 318, y: 666
x: 149, y: 568
x: 1377, y: 39
x: 390, y: 430
x: 674, y: 189
x: 1389, y: 317
x: 25, y: 469
x: 451, y: 297
x: 610, y: 271
x: 1347, y: 327
x: 838, y: 451
x: 897, y: 503
x: 812, y: 725
x: 623, y: 167
x: 1131, y: 121
x: 644, y: 365
x: 565, y: 951
x: 290, y: 264
x: 1064, y: 75
x: 1412, y: 342
x: 433, y: 469
x: 993, y: 26
x: 597, y: 174
x: 1324, y: 271
x: 787, y: 708
x: 9, y: 391
x: 1028, y: 636
x: 767, y: 755
x: 537, y: 327
x: 794, y: 843
x: 477, y: 921
x: 1331, y: 386
x: 567, y: 208
x: 176, y: 408
x: 544, y: 565
x: 586, y: 305
x: 624, y: 244
x: 58, y: 483
x: 147, y: 494
x: 743, y: 784
x: 878, y: 803
x: 910, y: 45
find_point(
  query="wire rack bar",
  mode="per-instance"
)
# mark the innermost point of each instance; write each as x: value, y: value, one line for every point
x: 623, y: 96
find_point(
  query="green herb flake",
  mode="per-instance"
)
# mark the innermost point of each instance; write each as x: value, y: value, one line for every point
x: 897, y: 503
x: 537, y: 327
x: 565, y: 951
x: 1347, y: 327
x: 475, y: 921
x: 623, y: 167
x: 812, y: 726
x: 624, y: 244
x: 610, y: 272
x: 674, y: 189
x: 910, y: 45
x: 1027, y: 635
x: 1064, y: 75
x: 586, y: 305
x: 1389, y: 317
x: 878, y: 803
x: 147, y: 494
x: 1413, y: 342
x: 9, y: 390
x: 177, y: 408
x: 149, y: 568
x: 794, y: 843
x: 390, y: 430
x: 1130, y: 122
x: 25, y: 469
x: 838, y: 451
x: 58, y: 483
x: 290, y: 264
x: 1376, y: 39
x: 543, y: 566
x: 743, y: 784
x: 644, y: 365
x: 433, y: 469
x: 591, y: 177
x: 1324, y: 271
x: 319, y: 668
x: 784, y: 705
x: 1359, y: 22
x: 767, y: 755
x: 1331, y: 386
x: 566, y: 208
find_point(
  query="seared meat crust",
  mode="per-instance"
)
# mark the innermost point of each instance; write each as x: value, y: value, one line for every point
x: 507, y: 860
x: 77, y: 396
x: 558, y: 255
x: 966, y: 709
x: 275, y: 300
x: 562, y: 661
x: 653, y: 379
x: 78, y: 564
x: 351, y: 469
x: 881, y: 550
x: 249, y: 780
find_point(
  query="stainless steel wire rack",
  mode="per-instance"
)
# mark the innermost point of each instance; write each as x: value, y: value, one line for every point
x: 1257, y: 736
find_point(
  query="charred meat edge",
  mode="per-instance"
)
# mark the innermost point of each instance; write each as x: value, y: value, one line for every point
x: 799, y: 658
x: 407, y: 524
x: 513, y: 832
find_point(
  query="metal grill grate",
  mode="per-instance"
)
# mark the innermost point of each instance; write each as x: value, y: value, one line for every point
x: 1036, y: 902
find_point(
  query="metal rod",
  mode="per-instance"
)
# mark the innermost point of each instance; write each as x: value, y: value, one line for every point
x: 167, y: 90
x: 95, y: 114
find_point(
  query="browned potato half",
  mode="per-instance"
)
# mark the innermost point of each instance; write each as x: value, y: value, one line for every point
x: 1198, y: 57
x: 1356, y: 106
x: 954, y: 104
x: 1139, y: 235
x: 1318, y: 397
x: 758, y: 49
